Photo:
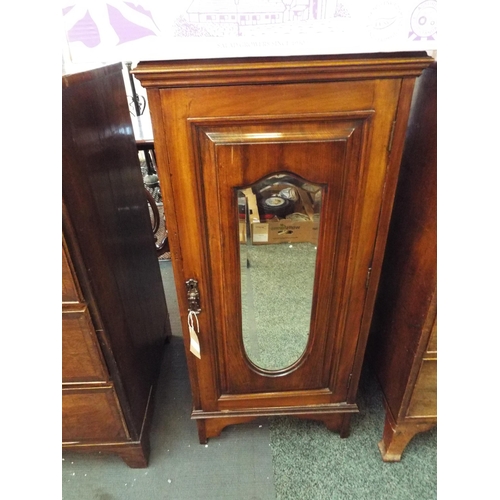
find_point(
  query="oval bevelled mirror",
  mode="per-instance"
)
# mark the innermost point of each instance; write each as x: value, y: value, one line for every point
x: 278, y: 231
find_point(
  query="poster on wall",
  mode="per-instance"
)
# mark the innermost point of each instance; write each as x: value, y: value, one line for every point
x: 111, y: 30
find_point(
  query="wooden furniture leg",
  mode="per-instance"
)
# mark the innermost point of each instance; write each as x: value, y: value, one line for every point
x: 397, y: 436
x: 136, y: 457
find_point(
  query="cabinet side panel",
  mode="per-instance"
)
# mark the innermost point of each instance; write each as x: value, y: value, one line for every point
x: 104, y: 196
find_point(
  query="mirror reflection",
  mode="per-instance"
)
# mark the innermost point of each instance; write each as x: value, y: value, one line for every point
x: 278, y: 233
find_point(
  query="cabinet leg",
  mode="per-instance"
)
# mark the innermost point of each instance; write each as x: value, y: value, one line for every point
x: 345, y: 427
x: 397, y: 436
x: 212, y: 427
x: 135, y: 460
x: 202, y: 431
x: 136, y: 457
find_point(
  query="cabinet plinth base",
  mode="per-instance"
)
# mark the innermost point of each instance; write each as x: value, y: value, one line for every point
x: 213, y: 426
x: 134, y: 454
x: 397, y: 436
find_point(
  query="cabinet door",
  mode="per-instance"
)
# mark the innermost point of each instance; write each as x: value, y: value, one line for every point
x: 333, y: 136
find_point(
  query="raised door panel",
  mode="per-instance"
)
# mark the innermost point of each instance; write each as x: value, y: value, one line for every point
x: 81, y: 356
x: 333, y: 134
x: 321, y: 151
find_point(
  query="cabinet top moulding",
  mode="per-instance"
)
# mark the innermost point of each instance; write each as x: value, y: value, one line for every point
x: 290, y: 69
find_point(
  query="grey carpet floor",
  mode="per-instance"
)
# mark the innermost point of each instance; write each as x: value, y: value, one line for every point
x: 281, y: 458
x: 311, y: 463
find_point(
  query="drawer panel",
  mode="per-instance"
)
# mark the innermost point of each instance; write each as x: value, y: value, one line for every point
x: 432, y: 345
x: 423, y: 401
x: 69, y: 287
x: 81, y: 355
x: 92, y: 414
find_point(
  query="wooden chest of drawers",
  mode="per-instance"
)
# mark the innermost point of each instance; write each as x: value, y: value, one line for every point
x: 403, y: 339
x: 90, y: 407
x: 114, y: 315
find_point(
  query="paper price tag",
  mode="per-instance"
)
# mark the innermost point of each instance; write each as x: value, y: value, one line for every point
x: 194, y: 346
x: 194, y: 343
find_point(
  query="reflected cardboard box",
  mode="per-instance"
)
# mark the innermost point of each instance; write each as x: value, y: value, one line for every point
x: 302, y: 228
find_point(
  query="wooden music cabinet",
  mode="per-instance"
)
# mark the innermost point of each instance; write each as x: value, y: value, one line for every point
x: 278, y: 178
x: 114, y: 316
x: 402, y: 348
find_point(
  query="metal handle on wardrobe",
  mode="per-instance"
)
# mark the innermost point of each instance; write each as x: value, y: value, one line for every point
x: 193, y: 296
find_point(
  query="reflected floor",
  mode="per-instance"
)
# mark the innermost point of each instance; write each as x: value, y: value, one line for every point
x: 277, y: 284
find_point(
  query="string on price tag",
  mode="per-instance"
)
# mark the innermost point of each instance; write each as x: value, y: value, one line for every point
x: 194, y: 344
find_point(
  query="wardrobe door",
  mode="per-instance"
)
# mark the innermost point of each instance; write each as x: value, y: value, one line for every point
x: 332, y: 136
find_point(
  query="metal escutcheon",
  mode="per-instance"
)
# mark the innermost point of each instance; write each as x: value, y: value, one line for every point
x: 193, y: 296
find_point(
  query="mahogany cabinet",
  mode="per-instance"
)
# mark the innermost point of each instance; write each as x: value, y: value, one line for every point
x: 114, y: 316
x: 403, y: 342
x: 278, y: 178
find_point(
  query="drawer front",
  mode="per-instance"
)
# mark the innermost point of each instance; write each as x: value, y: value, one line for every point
x: 92, y: 415
x: 423, y: 401
x: 432, y: 345
x: 69, y: 286
x: 82, y: 360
